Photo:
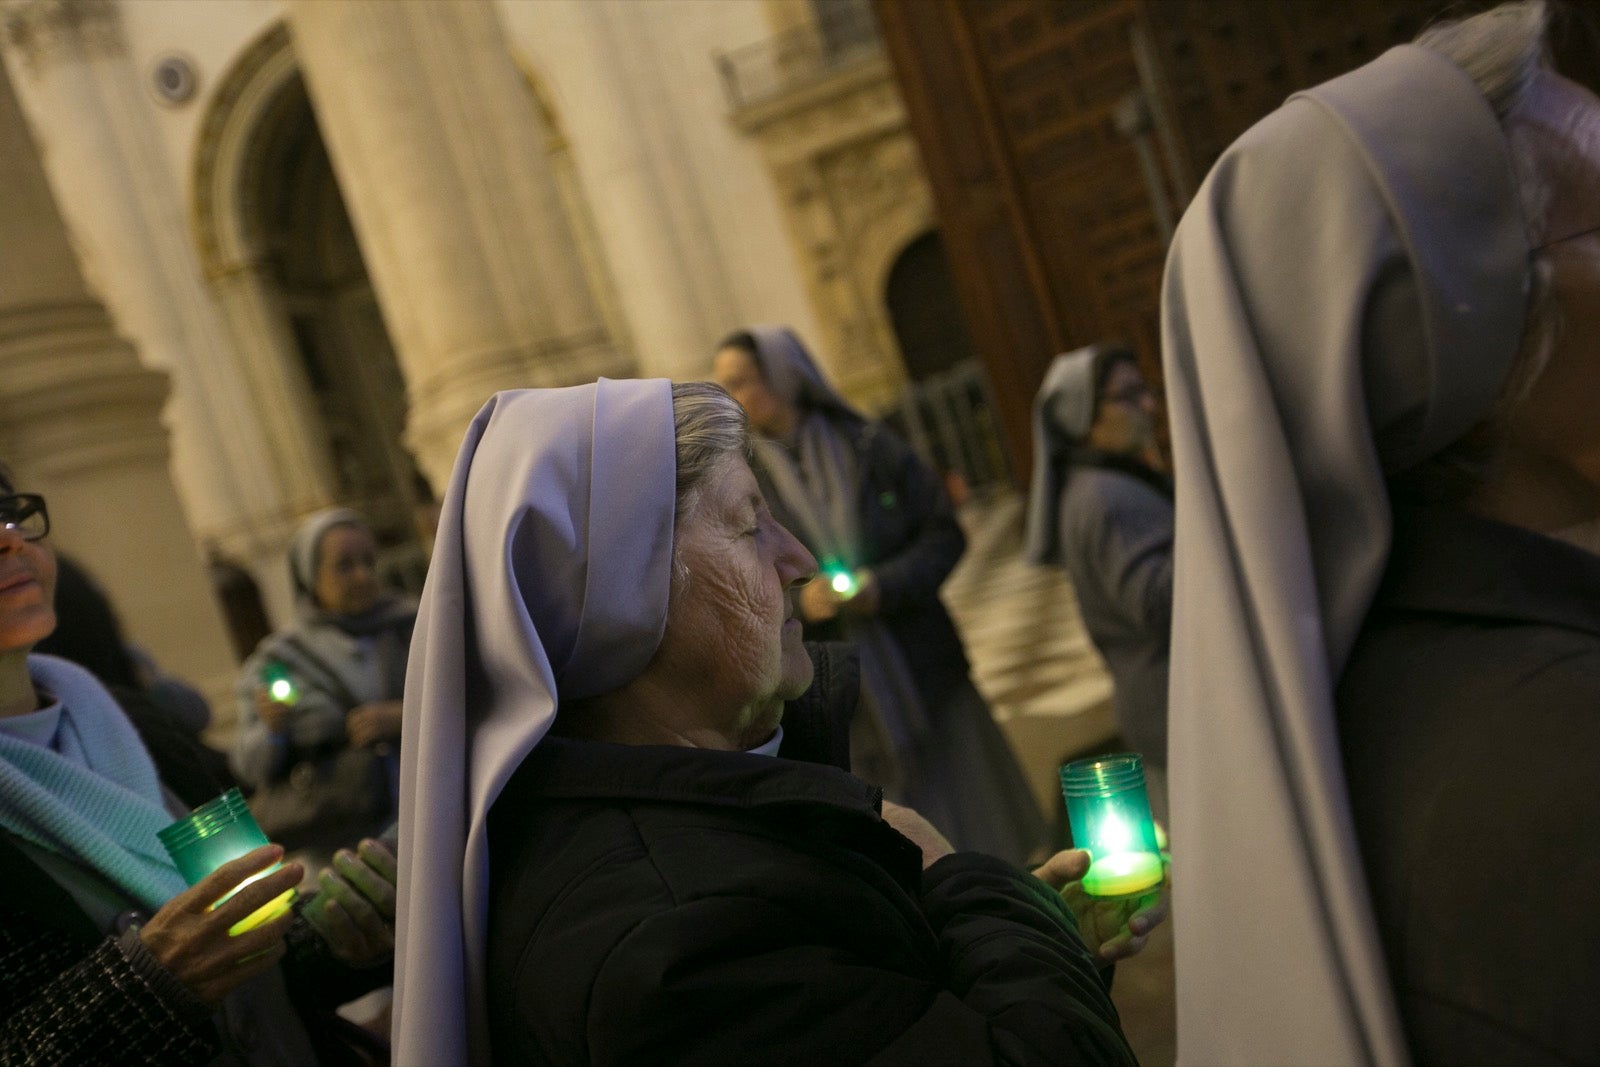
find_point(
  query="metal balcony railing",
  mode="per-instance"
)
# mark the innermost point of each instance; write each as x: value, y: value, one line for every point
x: 844, y: 32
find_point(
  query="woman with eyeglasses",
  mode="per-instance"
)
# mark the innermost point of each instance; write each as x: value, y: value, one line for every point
x: 105, y: 955
x: 1100, y: 506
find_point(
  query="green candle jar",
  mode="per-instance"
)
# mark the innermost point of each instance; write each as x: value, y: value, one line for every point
x: 213, y: 834
x: 280, y: 686
x: 1110, y: 815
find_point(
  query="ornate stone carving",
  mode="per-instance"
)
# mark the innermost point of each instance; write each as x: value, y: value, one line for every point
x: 854, y: 195
x: 41, y: 32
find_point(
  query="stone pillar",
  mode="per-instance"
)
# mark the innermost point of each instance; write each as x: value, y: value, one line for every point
x: 436, y: 144
x: 82, y: 425
x: 89, y: 114
x: 657, y: 243
x: 80, y: 422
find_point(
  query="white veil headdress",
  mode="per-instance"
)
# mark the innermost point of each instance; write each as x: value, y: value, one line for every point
x: 550, y: 574
x: 1343, y: 299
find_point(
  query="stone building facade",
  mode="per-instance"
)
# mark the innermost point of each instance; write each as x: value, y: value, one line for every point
x: 258, y: 257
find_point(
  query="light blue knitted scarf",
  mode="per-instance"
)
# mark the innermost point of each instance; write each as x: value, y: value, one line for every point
x: 94, y: 797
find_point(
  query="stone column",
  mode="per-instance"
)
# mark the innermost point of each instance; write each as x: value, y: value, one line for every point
x: 89, y: 114
x: 80, y: 422
x: 436, y: 144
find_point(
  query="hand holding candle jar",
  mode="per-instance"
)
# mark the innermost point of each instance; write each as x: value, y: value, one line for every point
x: 215, y: 834
x: 191, y: 936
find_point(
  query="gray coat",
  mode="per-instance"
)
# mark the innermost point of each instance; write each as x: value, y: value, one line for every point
x: 1116, y: 543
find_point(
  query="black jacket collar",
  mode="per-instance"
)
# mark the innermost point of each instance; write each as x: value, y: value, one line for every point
x: 811, y: 767
x: 1449, y: 562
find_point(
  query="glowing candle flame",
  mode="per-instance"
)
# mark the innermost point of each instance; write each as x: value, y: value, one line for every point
x: 1114, y: 835
x: 282, y: 690
x: 842, y: 583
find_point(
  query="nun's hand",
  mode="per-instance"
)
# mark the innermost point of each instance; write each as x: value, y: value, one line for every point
x: 371, y: 723
x: 189, y: 935
x: 1113, y: 928
x: 354, y: 908
x: 273, y: 714
x: 918, y: 831
x: 818, y: 601
x: 863, y: 603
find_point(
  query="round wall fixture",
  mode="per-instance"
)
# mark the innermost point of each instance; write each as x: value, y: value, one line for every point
x: 174, y: 79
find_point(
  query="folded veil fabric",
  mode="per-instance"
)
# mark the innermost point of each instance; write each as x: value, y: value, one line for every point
x: 549, y: 575
x: 1343, y: 299
x: 1063, y: 413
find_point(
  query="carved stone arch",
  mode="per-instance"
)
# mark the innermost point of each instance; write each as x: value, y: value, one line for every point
x: 250, y: 97
x: 884, y: 235
x: 890, y: 234
x: 277, y: 251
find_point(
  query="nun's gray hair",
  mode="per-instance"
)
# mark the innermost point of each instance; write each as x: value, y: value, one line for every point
x: 1502, y: 50
x: 708, y: 426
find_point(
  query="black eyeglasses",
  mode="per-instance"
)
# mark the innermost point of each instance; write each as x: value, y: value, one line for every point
x: 26, y: 514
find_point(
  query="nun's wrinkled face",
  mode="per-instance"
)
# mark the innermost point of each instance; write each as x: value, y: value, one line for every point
x: 732, y: 636
x: 347, y: 571
x: 738, y: 372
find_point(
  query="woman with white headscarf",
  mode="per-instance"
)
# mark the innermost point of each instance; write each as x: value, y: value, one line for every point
x: 877, y: 517
x: 1100, y: 507
x: 627, y: 832
x: 319, y: 700
x: 1385, y: 661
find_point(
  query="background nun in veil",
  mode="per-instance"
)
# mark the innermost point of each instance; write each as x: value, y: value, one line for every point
x: 865, y: 505
x: 1386, y: 644
x: 1100, y: 507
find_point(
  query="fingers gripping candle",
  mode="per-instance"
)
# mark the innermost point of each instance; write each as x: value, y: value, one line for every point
x: 211, y: 835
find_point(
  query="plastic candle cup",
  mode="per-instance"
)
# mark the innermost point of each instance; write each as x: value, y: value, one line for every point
x: 280, y: 687
x: 1110, y: 815
x: 214, y: 833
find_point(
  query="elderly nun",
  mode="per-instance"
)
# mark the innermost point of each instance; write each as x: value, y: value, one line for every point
x: 627, y: 831
x: 1386, y: 647
x: 1100, y: 507
x: 319, y: 747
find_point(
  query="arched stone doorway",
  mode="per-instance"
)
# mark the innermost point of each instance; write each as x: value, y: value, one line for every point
x: 277, y: 246
x: 309, y: 253
x: 924, y: 310
x: 946, y: 410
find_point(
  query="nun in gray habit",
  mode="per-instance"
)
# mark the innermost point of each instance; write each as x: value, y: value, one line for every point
x: 1107, y: 520
x: 315, y: 788
x: 862, y: 501
x: 1360, y: 877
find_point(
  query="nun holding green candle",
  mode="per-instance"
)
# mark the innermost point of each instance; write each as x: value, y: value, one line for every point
x: 885, y: 537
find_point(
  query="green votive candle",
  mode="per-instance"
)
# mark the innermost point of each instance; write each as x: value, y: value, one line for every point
x: 214, y: 833
x: 1110, y: 815
x: 280, y: 687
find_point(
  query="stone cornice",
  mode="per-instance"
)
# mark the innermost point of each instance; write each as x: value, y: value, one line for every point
x: 819, y: 91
